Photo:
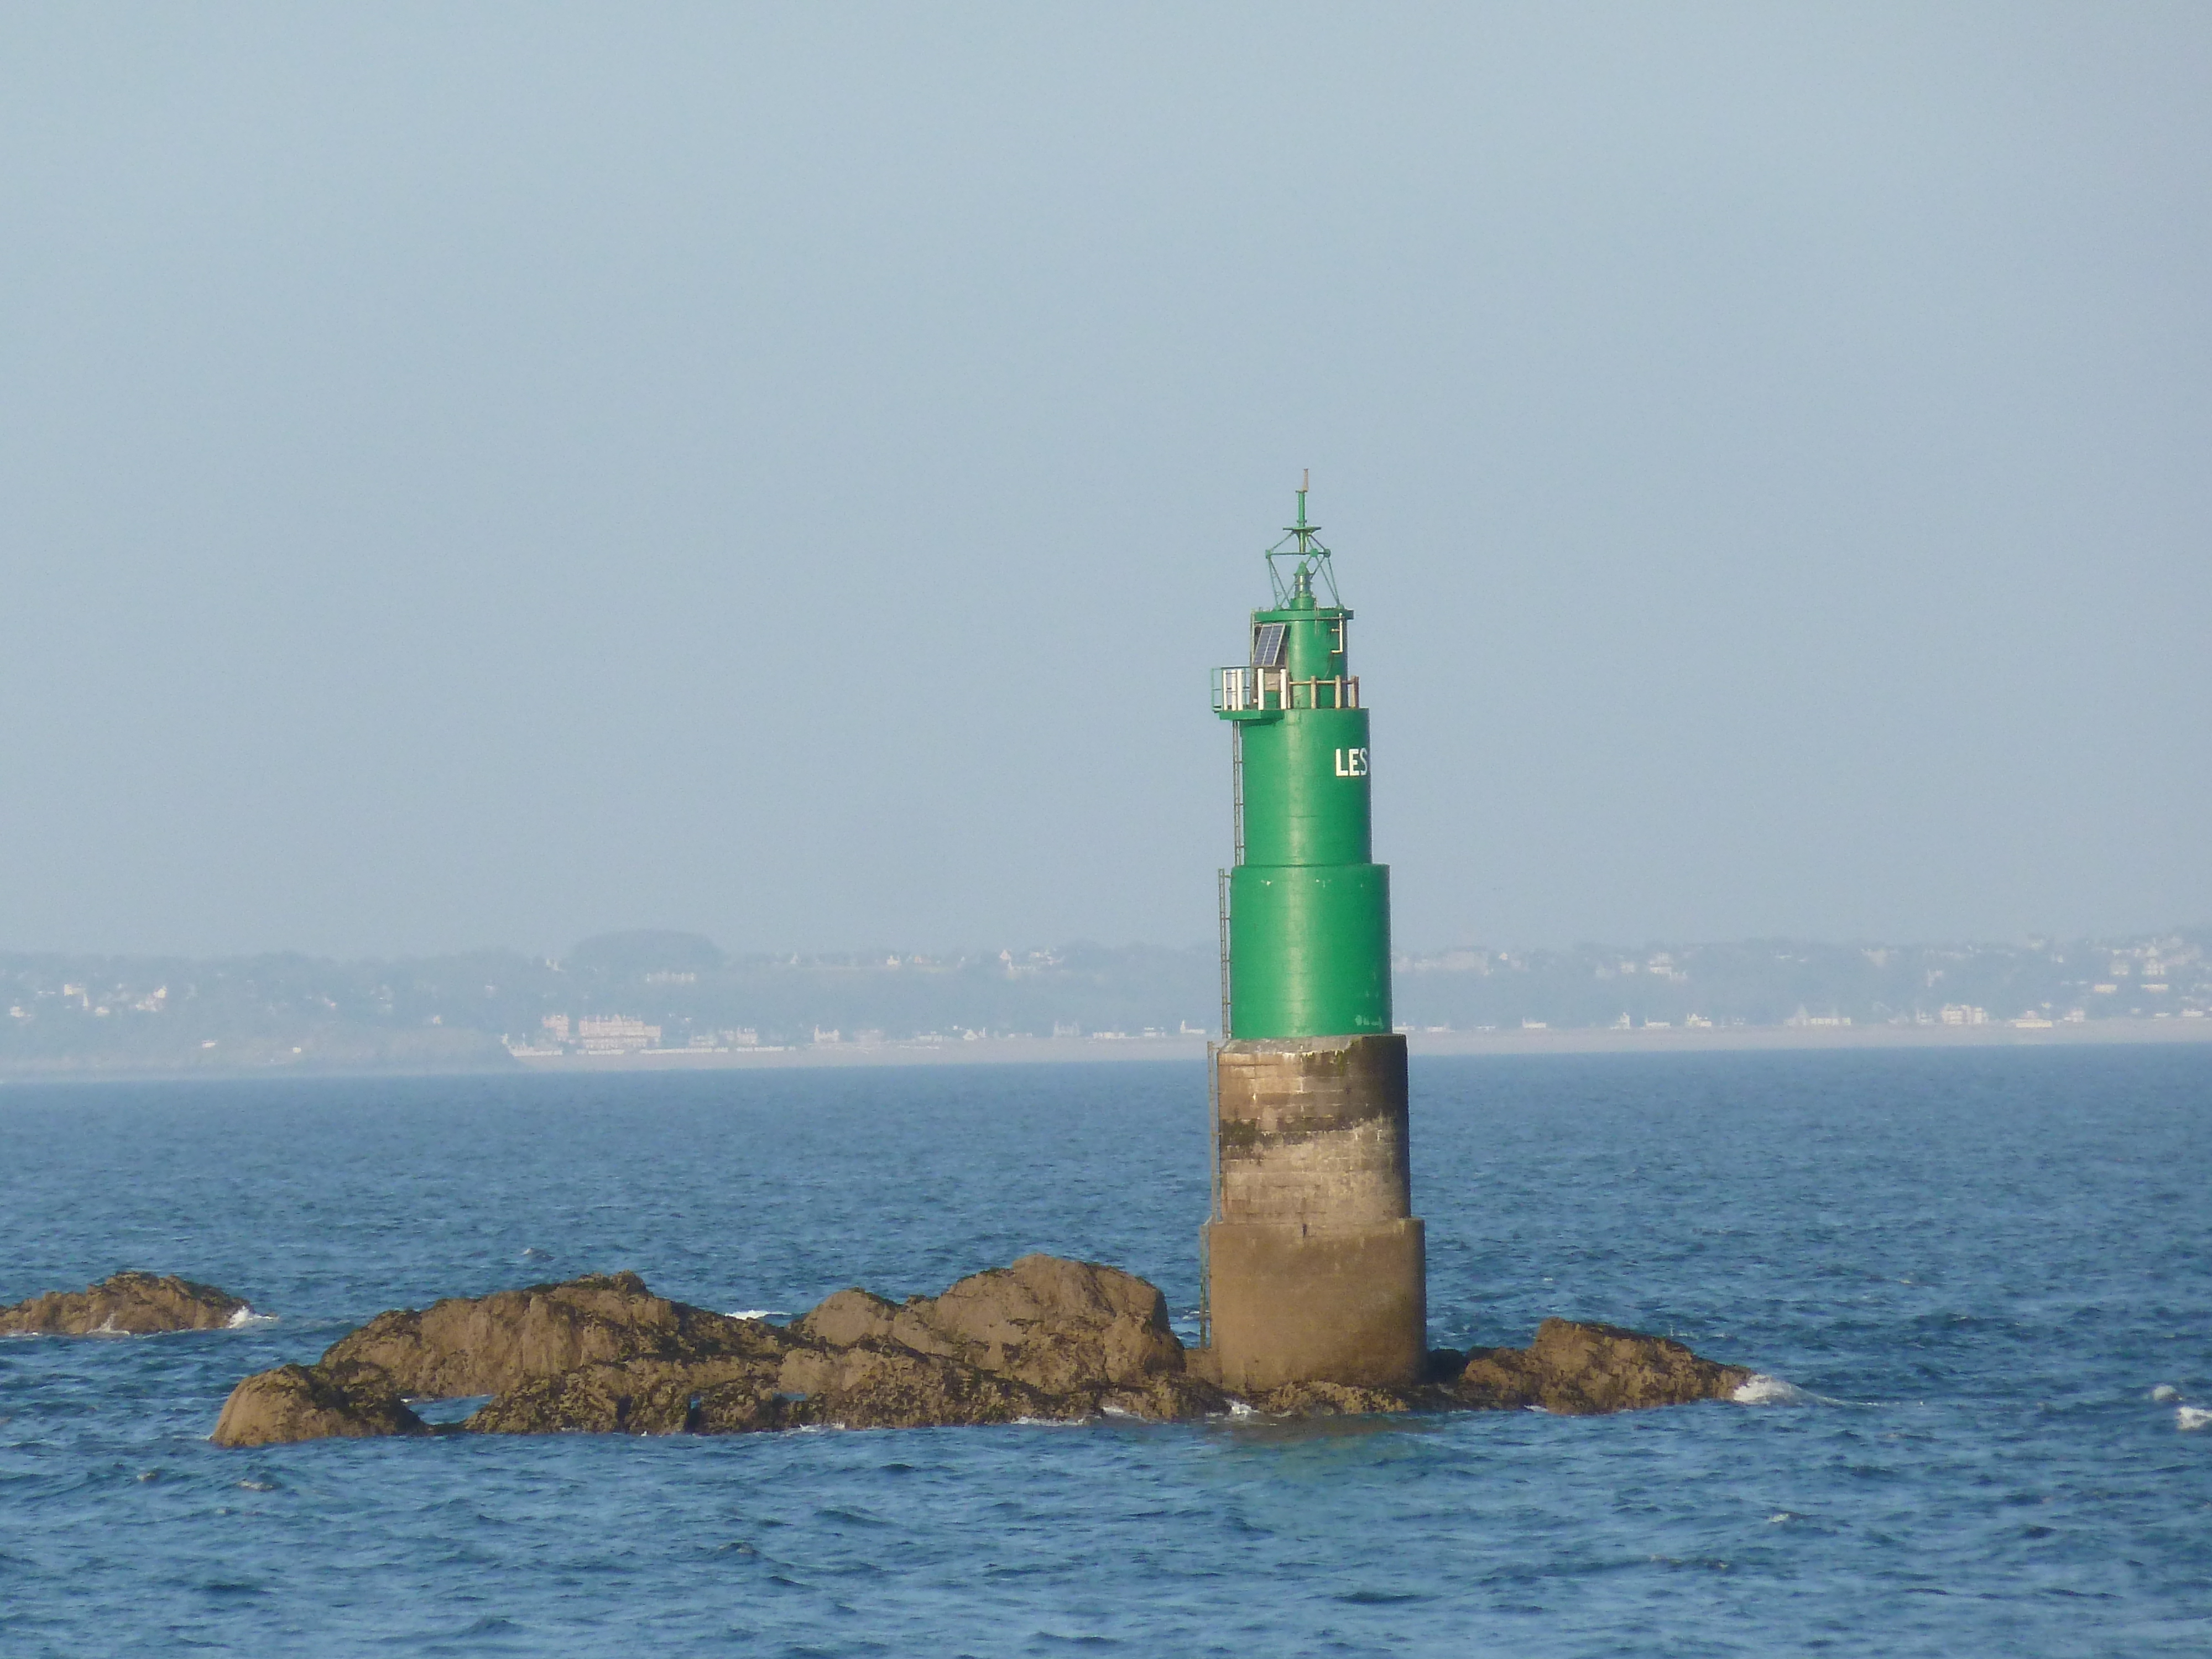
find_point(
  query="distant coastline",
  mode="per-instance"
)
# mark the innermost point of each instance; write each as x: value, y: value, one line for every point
x: 1032, y: 1051
x: 1585, y: 1040
x: 659, y: 1001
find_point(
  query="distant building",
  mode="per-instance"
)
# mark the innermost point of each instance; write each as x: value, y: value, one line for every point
x: 616, y: 1034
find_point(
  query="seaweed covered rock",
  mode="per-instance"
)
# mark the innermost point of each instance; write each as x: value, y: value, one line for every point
x: 125, y: 1304
x: 639, y: 1396
x: 1344, y: 1399
x: 309, y: 1402
x: 1579, y: 1369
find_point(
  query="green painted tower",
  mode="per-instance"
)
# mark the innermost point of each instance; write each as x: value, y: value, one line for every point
x: 1314, y: 1262
x: 1310, y: 910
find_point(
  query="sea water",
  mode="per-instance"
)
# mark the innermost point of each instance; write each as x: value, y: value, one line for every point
x: 1982, y: 1281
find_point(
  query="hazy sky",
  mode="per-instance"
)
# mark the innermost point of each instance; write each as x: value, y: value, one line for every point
x: 487, y: 475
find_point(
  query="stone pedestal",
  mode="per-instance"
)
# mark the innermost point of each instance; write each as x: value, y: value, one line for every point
x: 1316, y: 1266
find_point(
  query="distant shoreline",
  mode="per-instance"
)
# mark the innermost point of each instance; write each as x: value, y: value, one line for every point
x: 1029, y: 1051
x: 1517, y: 1040
x: 1678, y: 1039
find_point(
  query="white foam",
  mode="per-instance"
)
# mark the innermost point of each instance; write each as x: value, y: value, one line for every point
x: 1238, y: 1408
x: 245, y: 1317
x: 2164, y: 1392
x: 1763, y: 1391
x: 759, y: 1313
x: 2193, y: 1416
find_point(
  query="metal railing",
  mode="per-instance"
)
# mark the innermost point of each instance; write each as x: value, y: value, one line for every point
x: 1241, y: 689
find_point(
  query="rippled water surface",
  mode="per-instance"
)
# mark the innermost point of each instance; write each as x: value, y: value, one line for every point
x: 1977, y: 1266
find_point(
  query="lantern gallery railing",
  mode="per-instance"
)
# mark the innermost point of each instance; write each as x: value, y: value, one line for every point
x: 1246, y: 691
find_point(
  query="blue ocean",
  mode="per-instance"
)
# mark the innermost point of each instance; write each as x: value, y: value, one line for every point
x: 1986, y: 1276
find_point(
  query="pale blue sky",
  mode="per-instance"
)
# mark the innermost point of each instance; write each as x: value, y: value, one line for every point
x: 486, y: 474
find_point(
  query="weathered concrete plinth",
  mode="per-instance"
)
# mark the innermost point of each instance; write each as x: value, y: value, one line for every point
x: 1316, y: 1270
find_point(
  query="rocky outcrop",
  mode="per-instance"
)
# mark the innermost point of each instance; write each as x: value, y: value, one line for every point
x: 1058, y: 1325
x: 127, y: 1305
x: 490, y: 1344
x: 1347, y: 1400
x: 1045, y: 1339
x: 305, y: 1402
x: 1577, y: 1370
x: 869, y: 1385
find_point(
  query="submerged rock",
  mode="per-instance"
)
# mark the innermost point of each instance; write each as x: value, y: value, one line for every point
x: 1579, y: 1369
x: 125, y: 1304
x: 1045, y: 1339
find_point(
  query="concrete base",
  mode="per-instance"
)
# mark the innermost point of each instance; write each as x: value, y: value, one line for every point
x: 1295, y: 1304
x: 1315, y: 1270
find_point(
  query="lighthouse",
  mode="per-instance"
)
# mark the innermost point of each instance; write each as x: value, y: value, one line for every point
x: 1314, y: 1263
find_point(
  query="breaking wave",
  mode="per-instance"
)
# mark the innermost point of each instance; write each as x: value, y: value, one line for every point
x: 1763, y: 1391
x: 2192, y: 1417
x: 244, y: 1318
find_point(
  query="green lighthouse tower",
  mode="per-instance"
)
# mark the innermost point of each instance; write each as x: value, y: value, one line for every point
x: 1315, y: 1261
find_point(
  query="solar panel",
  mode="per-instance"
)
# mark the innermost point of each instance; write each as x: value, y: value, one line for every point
x: 1267, y: 645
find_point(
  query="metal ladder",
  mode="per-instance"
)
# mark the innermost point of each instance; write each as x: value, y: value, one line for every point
x: 1214, y: 1049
